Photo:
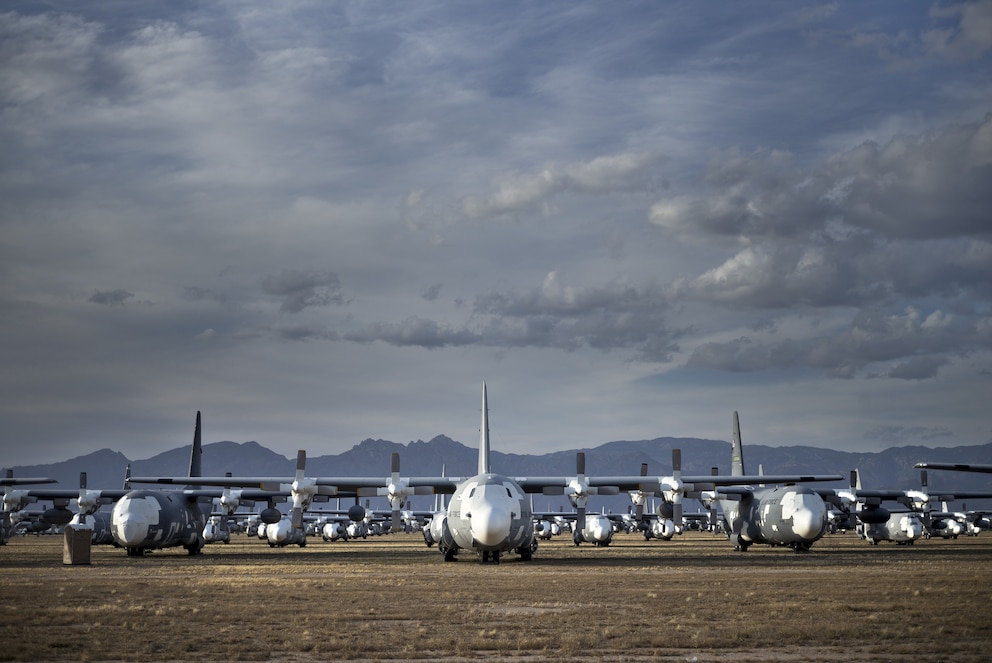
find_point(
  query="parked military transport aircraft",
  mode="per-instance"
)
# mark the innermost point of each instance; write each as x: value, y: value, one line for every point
x: 15, y: 500
x: 789, y: 515
x: 144, y: 520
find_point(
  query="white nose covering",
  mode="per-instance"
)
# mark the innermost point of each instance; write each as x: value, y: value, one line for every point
x: 132, y: 517
x: 598, y: 529
x: 807, y: 516
x: 490, y: 523
x: 278, y: 532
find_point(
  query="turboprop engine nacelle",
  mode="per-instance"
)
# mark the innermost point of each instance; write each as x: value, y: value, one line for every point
x: 57, y: 516
x: 874, y: 516
x: 270, y: 516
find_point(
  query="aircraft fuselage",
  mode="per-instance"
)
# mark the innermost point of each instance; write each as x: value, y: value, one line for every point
x: 793, y: 516
x: 488, y: 514
x: 99, y: 523
x: 146, y: 520
x: 902, y: 528
x: 597, y: 530
x: 283, y: 533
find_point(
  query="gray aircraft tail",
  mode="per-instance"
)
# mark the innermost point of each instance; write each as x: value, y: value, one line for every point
x: 736, y: 452
x: 196, y: 455
x: 484, y: 435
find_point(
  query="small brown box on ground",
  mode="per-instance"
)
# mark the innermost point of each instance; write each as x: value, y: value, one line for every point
x: 77, y: 545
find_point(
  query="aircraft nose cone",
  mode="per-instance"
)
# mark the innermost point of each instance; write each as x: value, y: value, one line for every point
x: 278, y: 532
x: 808, y: 522
x: 490, y: 524
x: 132, y: 518
x: 914, y: 528
x: 597, y: 529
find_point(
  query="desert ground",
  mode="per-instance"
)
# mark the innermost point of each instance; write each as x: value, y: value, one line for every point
x: 391, y: 598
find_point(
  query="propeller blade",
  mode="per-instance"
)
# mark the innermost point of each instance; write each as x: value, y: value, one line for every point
x: 394, y: 462
x: 301, y: 463
x: 639, y: 507
x: 82, y: 480
x: 297, y: 517
x: 580, y: 463
x: 580, y: 520
x: 395, y: 521
x: 923, y: 479
x: 677, y: 462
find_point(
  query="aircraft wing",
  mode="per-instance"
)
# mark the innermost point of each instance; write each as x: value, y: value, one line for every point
x: 59, y: 496
x: 951, y: 495
x: 649, y: 484
x: 553, y: 485
x: 956, y: 467
x: 942, y: 495
x: 711, y: 482
x: 735, y: 493
x: 325, y: 485
x: 21, y: 481
x: 47, y: 493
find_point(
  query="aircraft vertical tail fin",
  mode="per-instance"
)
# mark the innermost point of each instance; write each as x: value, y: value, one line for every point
x: 736, y: 452
x: 195, y: 458
x: 196, y: 455
x: 484, y: 435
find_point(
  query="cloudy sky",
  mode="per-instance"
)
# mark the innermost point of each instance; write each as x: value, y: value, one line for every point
x: 319, y: 222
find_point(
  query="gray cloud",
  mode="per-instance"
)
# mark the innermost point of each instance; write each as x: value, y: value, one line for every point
x: 416, y: 332
x: 902, y: 435
x: 518, y: 191
x: 110, y: 297
x: 431, y: 293
x: 917, y: 344
x: 300, y: 289
x: 927, y: 186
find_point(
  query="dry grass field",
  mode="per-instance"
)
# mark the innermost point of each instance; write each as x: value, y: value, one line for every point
x: 692, y: 599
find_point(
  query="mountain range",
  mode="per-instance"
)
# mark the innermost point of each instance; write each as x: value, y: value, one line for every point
x: 888, y: 469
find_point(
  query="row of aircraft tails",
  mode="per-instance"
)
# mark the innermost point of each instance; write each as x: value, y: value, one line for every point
x: 490, y: 514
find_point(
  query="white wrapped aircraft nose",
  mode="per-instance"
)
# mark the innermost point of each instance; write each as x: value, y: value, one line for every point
x: 279, y: 532
x: 808, y: 518
x: 132, y: 517
x: 490, y: 524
